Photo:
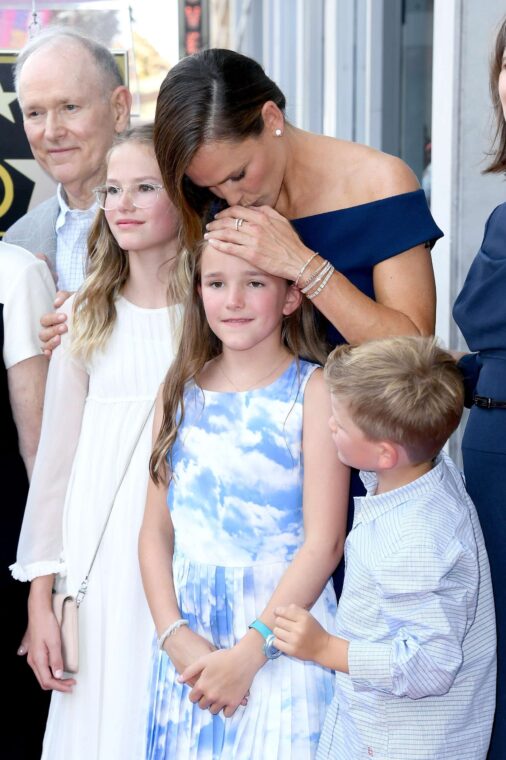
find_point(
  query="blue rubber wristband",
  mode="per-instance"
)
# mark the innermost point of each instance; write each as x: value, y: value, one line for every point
x: 262, y: 629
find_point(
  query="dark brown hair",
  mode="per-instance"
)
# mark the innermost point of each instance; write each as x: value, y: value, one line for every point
x: 213, y: 95
x: 498, y: 153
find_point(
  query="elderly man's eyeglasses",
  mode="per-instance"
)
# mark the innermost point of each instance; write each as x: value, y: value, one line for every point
x: 142, y: 195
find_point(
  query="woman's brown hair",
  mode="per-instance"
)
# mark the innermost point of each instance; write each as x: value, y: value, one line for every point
x: 213, y: 95
x: 498, y: 163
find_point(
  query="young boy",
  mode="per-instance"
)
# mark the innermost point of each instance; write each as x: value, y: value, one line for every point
x: 415, y: 650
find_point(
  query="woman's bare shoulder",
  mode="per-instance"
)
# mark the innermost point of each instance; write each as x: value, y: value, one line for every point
x: 339, y: 174
x: 367, y: 171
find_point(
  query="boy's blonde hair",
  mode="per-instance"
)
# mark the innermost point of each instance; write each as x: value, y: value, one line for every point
x: 406, y: 390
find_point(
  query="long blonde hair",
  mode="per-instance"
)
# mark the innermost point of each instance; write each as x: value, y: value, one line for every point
x: 94, y: 311
x: 198, y: 345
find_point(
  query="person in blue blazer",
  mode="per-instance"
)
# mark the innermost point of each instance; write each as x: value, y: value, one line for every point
x: 480, y: 312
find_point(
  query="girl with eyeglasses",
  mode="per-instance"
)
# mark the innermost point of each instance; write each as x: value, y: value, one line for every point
x: 101, y: 385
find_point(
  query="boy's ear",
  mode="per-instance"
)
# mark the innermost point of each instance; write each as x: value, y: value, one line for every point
x: 293, y: 300
x: 388, y: 455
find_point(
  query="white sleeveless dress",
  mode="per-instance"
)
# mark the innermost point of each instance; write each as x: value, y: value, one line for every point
x: 92, y: 415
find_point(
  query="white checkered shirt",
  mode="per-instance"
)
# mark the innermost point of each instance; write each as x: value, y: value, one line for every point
x: 72, y: 228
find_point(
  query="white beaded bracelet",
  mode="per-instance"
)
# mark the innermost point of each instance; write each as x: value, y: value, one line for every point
x: 173, y: 627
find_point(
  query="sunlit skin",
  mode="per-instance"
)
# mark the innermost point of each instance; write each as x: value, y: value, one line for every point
x: 70, y: 120
x: 245, y: 306
x: 139, y: 229
x: 245, y: 173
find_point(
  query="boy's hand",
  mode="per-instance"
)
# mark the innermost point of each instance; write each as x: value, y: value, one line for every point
x: 298, y: 634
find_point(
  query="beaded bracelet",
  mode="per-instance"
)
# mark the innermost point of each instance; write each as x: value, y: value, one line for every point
x: 322, y: 285
x: 170, y: 631
x: 317, y: 277
x: 303, y: 269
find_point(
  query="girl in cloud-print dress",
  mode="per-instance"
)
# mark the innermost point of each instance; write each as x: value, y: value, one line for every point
x: 239, y: 421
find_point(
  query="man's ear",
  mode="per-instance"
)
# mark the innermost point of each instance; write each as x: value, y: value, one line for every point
x: 293, y: 300
x: 121, y: 101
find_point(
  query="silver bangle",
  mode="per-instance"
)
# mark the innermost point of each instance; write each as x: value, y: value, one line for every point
x: 317, y: 277
x: 303, y: 269
x: 320, y: 287
x: 173, y: 627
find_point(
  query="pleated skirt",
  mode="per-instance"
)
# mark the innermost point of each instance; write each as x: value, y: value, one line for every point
x: 288, y: 698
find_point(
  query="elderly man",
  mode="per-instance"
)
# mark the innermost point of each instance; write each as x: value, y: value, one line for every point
x: 73, y: 103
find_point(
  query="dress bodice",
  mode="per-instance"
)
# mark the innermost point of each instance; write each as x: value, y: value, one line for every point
x: 236, y: 492
x: 116, y: 373
x: 355, y: 239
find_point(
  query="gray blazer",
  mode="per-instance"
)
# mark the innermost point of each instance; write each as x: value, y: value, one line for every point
x: 36, y: 230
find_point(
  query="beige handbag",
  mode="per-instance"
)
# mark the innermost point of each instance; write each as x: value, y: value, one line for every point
x: 65, y: 612
x: 65, y: 606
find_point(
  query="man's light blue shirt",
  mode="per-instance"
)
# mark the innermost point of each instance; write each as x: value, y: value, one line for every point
x: 72, y: 228
x: 417, y: 609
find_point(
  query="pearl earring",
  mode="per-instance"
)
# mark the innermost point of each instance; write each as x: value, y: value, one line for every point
x: 278, y: 132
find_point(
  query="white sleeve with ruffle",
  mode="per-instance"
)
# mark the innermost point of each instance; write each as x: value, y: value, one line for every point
x: 40, y: 550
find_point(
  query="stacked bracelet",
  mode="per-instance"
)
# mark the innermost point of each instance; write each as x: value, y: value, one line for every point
x: 326, y: 277
x: 317, y: 277
x: 303, y: 269
x: 173, y: 627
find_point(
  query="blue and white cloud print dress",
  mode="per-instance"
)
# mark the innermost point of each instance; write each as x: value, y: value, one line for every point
x: 236, y: 505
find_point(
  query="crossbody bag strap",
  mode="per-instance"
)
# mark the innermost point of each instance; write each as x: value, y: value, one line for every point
x: 84, y: 585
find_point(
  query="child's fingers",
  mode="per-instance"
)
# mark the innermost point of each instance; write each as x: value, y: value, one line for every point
x: 293, y: 612
x: 191, y: 672
x: 196, y: 694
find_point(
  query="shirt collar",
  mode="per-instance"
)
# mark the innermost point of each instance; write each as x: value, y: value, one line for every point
x: 65, y: 209
x: 371, y: 506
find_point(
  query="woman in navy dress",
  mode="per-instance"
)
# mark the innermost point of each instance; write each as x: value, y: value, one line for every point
x: 480, y: 312
x: 347, y: 223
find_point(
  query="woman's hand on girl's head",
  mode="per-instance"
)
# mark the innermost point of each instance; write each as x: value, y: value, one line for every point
x: 264, y: 238
x: 223, y: 680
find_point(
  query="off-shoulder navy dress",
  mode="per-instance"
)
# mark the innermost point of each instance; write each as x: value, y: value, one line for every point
x: 354, y: 240
x: 480, y: 312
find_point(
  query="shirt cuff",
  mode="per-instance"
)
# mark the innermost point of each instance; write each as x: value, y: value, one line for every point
x: 36, y: 569
x: 369, y: 666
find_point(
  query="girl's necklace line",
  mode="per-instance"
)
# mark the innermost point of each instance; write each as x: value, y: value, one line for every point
x: 257, y: 382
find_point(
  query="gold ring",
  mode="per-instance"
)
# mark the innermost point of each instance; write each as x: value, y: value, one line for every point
x: 238, y: 223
